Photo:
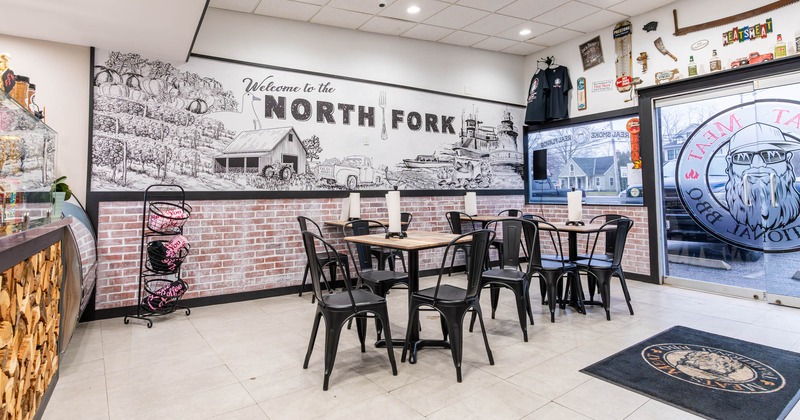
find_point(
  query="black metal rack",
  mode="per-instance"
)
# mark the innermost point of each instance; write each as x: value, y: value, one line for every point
x: 164, y: 212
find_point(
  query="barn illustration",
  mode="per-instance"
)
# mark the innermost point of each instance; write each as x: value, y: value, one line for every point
x: 269, y: 152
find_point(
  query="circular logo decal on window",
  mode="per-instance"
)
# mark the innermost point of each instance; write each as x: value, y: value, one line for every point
x: 713, y: 368
x: 735, y: 175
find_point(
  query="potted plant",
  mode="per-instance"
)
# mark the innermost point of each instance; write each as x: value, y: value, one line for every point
x: 61, y: 192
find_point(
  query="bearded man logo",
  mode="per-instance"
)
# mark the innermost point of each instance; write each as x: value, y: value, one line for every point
x: 759, y: 165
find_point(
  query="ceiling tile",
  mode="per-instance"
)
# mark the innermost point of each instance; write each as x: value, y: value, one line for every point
x: 637, y: 7
x: 555, y: 37
x: 246, y: 6
x: 463, y: 38
x: 489, y: 5
x: 456, y: 17
x: 494, y: 44
x: 527, y: 9
x: 364, y: 6
x: 341, y: 18
x: 536, y: 29
x: 524, y: 48
x: 596, y: 21
x: 566, y: 13
x: 317, y: 2
x: 428, y: 8
x: 493, y: 24
x: 603, y: 4
x: 384, y: 25
x: 287, y: 9
x: 427, y: 32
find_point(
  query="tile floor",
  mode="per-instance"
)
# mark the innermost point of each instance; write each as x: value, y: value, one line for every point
x: 244, y: 361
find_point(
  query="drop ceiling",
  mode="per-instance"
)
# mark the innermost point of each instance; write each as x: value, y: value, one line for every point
x: 493, y: 25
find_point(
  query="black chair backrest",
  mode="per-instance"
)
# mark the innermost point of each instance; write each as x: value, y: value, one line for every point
x: 611, y: 236
x: 534, y: 217
x: 479, y: 250
x: 510, y: 213
x: 305, y: 221
x: 405, y: 219
x: 310, y: 242
x: 555, y: 241
x: 623, y: 226
x: 455, y: 220
x: 363, y: 251
x: 516, y: 233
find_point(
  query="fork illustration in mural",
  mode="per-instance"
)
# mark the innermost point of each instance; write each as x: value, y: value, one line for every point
x: 382, y: 103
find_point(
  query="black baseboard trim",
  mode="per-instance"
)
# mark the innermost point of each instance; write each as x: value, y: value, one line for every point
x: 230, y: 298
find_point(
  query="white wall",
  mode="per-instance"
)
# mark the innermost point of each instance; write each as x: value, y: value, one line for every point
x: 690, y: 12
x: 369, y: 56
x: 61, y: 75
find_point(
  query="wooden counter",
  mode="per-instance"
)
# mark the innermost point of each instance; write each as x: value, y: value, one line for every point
x: 31, y: 270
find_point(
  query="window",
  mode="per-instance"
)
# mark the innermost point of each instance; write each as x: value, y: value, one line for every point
x: 581, y: 155
x: 291, y: 137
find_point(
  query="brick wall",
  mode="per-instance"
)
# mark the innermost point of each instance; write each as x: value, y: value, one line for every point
x: 250, y: 245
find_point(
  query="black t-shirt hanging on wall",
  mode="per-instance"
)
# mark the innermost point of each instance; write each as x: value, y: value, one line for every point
x: 536, y: 111
x: 558, y: 99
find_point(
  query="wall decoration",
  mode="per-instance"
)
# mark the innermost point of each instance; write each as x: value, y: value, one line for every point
x: 659, y: 43
x: 216, y: 125
x: 747, y: 33
x: 752, y: 58
x: 602, y: 85
x: 642, y: 60
x: 632, y: 127
x: 699, y: 45
x: 667, y: 76
x: 730, y: 19
x: 581, y: 94
x: 591, y: 53
x: 624, y: 61
x: 650, y: 26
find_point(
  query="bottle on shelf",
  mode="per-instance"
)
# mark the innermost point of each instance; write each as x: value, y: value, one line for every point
x: 692, y: 66
x: 780, y: 47
x: 715, y: 64
x: 797, y: 41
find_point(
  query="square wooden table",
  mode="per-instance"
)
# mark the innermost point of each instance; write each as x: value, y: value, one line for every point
x: 415, y: 241
x: 574, y: 230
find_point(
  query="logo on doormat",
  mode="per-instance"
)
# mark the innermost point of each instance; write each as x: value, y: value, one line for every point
x: 736, y: 176
x: 714, y: 368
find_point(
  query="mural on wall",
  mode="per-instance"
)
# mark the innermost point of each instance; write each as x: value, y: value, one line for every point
x: 27, y: 150
x: 215, y: 125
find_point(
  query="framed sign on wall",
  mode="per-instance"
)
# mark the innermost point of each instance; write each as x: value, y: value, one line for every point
x: 219, y: 125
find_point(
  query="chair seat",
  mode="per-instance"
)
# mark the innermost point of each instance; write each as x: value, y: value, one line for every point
x: 552, y: 257
x: 380, y: 276
x: 503, y: 274
x: 446, y: 293
x: 549, y: 265
x: 342, y: 300
x: 595, y: 264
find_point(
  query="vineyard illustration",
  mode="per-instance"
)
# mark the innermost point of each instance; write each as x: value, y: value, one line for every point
x: 155, y: 123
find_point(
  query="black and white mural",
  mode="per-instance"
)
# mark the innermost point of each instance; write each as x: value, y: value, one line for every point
x: 216, y: 125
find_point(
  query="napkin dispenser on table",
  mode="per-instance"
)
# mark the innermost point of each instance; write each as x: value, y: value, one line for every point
x: 574, y: 208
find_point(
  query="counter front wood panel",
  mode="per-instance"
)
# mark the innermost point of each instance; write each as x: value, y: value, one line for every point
x: 29, y: 330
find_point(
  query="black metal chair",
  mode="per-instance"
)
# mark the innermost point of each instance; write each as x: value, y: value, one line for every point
x: 454, y: 302
x: 514, y: 230
x: 339, y: 257
x: 456, y: 219
x: 377, y: 281
x: 610, y: 238
x: 388, y: 255
x: 339, y: 307
x: 551, y: 271
x: 550, y: 238
x: 498, y: 242
x: 602, y: 271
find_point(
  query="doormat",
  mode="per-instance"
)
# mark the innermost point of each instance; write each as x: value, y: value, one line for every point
x: 707, y: 374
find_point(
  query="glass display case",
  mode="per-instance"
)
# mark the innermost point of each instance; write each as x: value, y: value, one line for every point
x: 27, y: 163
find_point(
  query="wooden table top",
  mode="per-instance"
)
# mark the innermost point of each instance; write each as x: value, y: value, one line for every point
x: 416, y: 240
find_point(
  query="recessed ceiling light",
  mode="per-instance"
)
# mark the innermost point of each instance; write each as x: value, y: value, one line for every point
x: 525, y: 32
x: 413, y: 9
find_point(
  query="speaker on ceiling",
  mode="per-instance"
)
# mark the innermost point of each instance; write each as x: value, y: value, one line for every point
x: 540, y: 164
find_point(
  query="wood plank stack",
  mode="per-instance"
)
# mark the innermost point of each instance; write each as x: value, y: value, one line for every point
x: 29, y: 329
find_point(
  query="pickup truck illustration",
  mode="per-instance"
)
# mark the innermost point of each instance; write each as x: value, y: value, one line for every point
x: 351, y: 172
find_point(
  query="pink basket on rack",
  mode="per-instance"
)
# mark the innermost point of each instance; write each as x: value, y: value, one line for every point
x: 168, y: 218
x: 162, y: 294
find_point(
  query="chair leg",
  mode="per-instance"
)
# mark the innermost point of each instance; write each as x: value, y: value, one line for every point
x: 313, y: 338
x: 361, y: 328
x: 522, y: 308
x: 495, y: 295
x: 477, y: 308
x: 383, y: 319
x: 305, y: 277
x: 454, y: 321
x: 528, y: 300
x: 604, y: 287
x: 625, y: 291
x: 331, y: 345
x: 411, y: 324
